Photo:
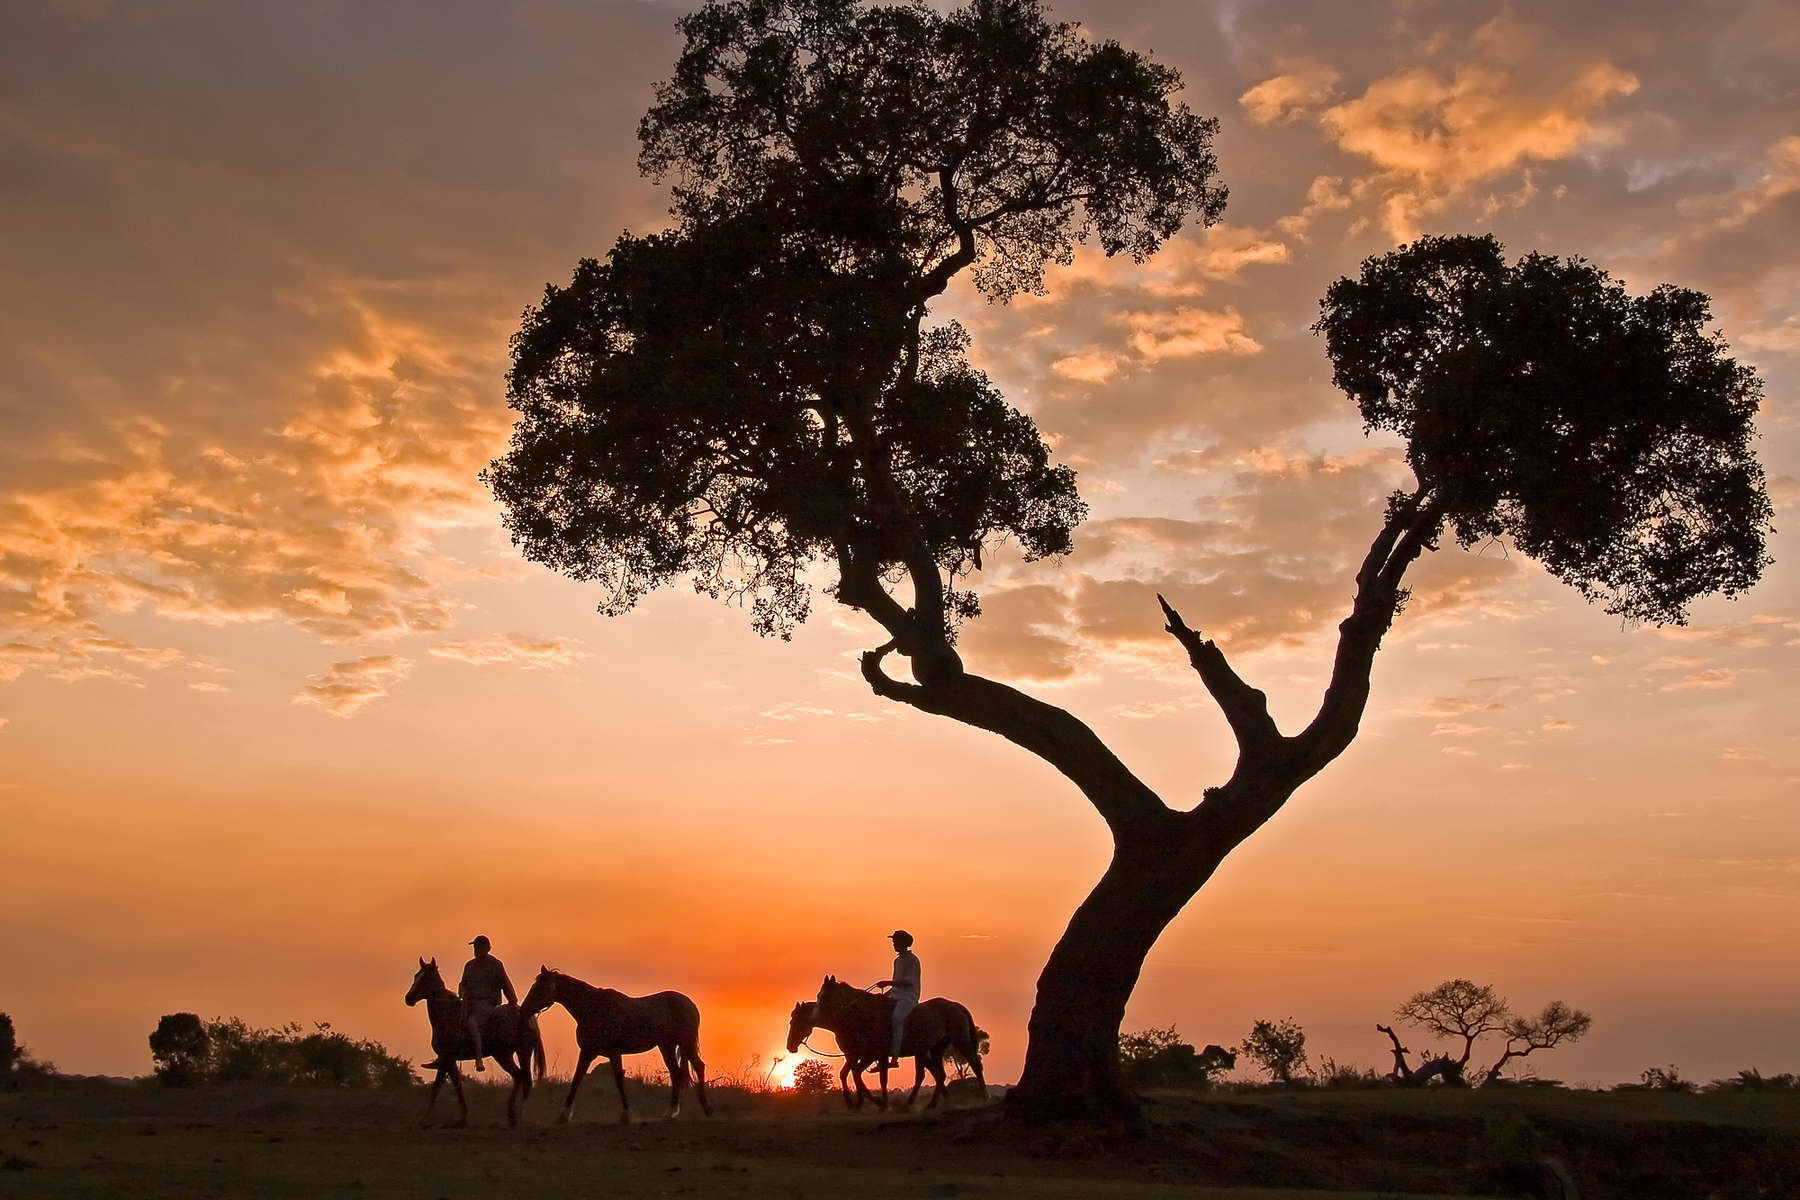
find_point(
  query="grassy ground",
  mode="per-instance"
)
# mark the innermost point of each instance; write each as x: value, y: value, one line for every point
x: 82, y: 1139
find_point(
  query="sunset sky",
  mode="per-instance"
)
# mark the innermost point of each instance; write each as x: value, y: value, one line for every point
x: 281, y: 709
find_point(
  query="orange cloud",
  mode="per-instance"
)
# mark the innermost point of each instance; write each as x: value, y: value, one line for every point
x: 1187, y: 332
x: 513, y: 649
x: 348, y: 687
x: 1303, y: 85
x: 1432, y: 136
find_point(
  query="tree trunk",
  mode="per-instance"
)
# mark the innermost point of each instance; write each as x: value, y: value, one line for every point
x: 1072, y: 1059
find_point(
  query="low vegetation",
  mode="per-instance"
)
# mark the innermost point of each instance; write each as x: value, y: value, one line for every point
x: 187, y: 1050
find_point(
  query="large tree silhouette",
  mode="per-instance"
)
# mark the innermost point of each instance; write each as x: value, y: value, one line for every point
x: 755, y: 394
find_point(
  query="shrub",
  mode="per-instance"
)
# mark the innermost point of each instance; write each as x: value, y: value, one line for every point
x: 1159, y: 1058
x: 1278, y: 1047
x: 1333, y: 1074
x: 813, y: 1078
x: 227, y: 1050
x: 1666, y: 1079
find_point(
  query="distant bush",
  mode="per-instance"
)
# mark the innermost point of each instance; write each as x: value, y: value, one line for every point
x: 1159, y: 1058
x: 1333, y: 1074
x: 1278, y: 1047
x: 227, y: 1050
x: 814, y: 1078
x: 1665, y: 1079
x: 1752, y: 1080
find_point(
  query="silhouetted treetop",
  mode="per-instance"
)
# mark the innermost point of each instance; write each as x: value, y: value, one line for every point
x: 988, y: 133
x: 1607, y: 435
x: 754, y: 392
x: 675, y: 422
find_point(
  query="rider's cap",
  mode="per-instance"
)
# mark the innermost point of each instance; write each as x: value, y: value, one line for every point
x: 900, y: 935
x: 481, y: 942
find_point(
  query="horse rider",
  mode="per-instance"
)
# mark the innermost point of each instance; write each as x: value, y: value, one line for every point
x: 903, y: 988
x: 484, y: 982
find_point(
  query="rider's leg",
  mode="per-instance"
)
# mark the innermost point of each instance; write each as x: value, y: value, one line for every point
x: 899, y: 1031
x: 475, y: 1033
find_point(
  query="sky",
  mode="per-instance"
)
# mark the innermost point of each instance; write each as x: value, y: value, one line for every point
x: 281, y: 710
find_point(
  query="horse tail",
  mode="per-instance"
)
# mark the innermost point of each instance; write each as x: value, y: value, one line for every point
x: 537, y: 1048
x: 973, y: 1033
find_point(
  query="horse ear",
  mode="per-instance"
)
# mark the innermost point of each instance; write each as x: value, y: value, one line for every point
x: 434, y: 960
x: 421, y: 964
x: 542, y: 969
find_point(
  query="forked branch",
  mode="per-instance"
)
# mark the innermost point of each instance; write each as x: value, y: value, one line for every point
x: 1246, y: 708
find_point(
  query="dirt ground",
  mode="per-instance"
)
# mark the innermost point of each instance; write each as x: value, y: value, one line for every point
x: 93, y: 1139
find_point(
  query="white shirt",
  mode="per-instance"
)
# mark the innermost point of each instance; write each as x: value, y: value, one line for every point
x: 906, y: 976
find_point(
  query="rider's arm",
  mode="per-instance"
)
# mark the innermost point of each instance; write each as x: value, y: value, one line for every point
x: 506, y: 987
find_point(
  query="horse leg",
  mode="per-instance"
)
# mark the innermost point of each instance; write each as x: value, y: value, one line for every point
x: 844, y: 1082
x: 936, y: 1066
x: 862, y: 1088
x: 918, y: 1079
x: 690, y: 1054
x: 431, y: 1100
x: 581, y: 1070
x: 618, y: 1065
x: 462, y: 1102
x: 677, y: 1080
x: 521, y: 1081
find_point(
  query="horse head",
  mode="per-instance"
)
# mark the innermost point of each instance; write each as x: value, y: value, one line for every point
x: 801, y: 1024
x: 541, y: 995
x: 833, y: 993
x: 427, y: 984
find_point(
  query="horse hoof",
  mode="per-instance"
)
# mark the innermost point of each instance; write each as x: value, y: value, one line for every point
x: 564, y: 1117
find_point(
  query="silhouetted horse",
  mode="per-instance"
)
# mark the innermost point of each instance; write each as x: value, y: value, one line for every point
x: 862, y: 1024
x: 613, y: 1024
x: 510, y: 1039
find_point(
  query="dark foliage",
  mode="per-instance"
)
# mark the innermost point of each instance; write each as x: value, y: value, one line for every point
x: 1159, y: 1058
x: 754, y: 393
x: 226, y: 1050
x: 1607, y: 435
x: 814, y: 1078
x: 1278, y: 1047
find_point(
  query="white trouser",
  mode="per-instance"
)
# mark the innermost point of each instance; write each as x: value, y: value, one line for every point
x: 902, y: 1006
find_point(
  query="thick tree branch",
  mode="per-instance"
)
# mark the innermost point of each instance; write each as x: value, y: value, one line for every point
x: 1246, y: 708
x: 1411, y: 528
x: 934, y: 283
x: 1058, y: 737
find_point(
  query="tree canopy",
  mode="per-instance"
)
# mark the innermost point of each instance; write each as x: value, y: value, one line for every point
x: 754, y: 392
x: 1606, y: 435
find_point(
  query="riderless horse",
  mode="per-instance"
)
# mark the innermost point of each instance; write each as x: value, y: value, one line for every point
x: 613, y: 1024
x: 863, y: 1025
x: 510, y: 1038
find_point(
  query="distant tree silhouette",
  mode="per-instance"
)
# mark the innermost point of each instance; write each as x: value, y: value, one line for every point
x: 180, y: 1048
x: 9, y: 1045
x: 755, y: 394
x: 1278, y: 1047
x: 1459, y: 1008
x: 1558, y: 1023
